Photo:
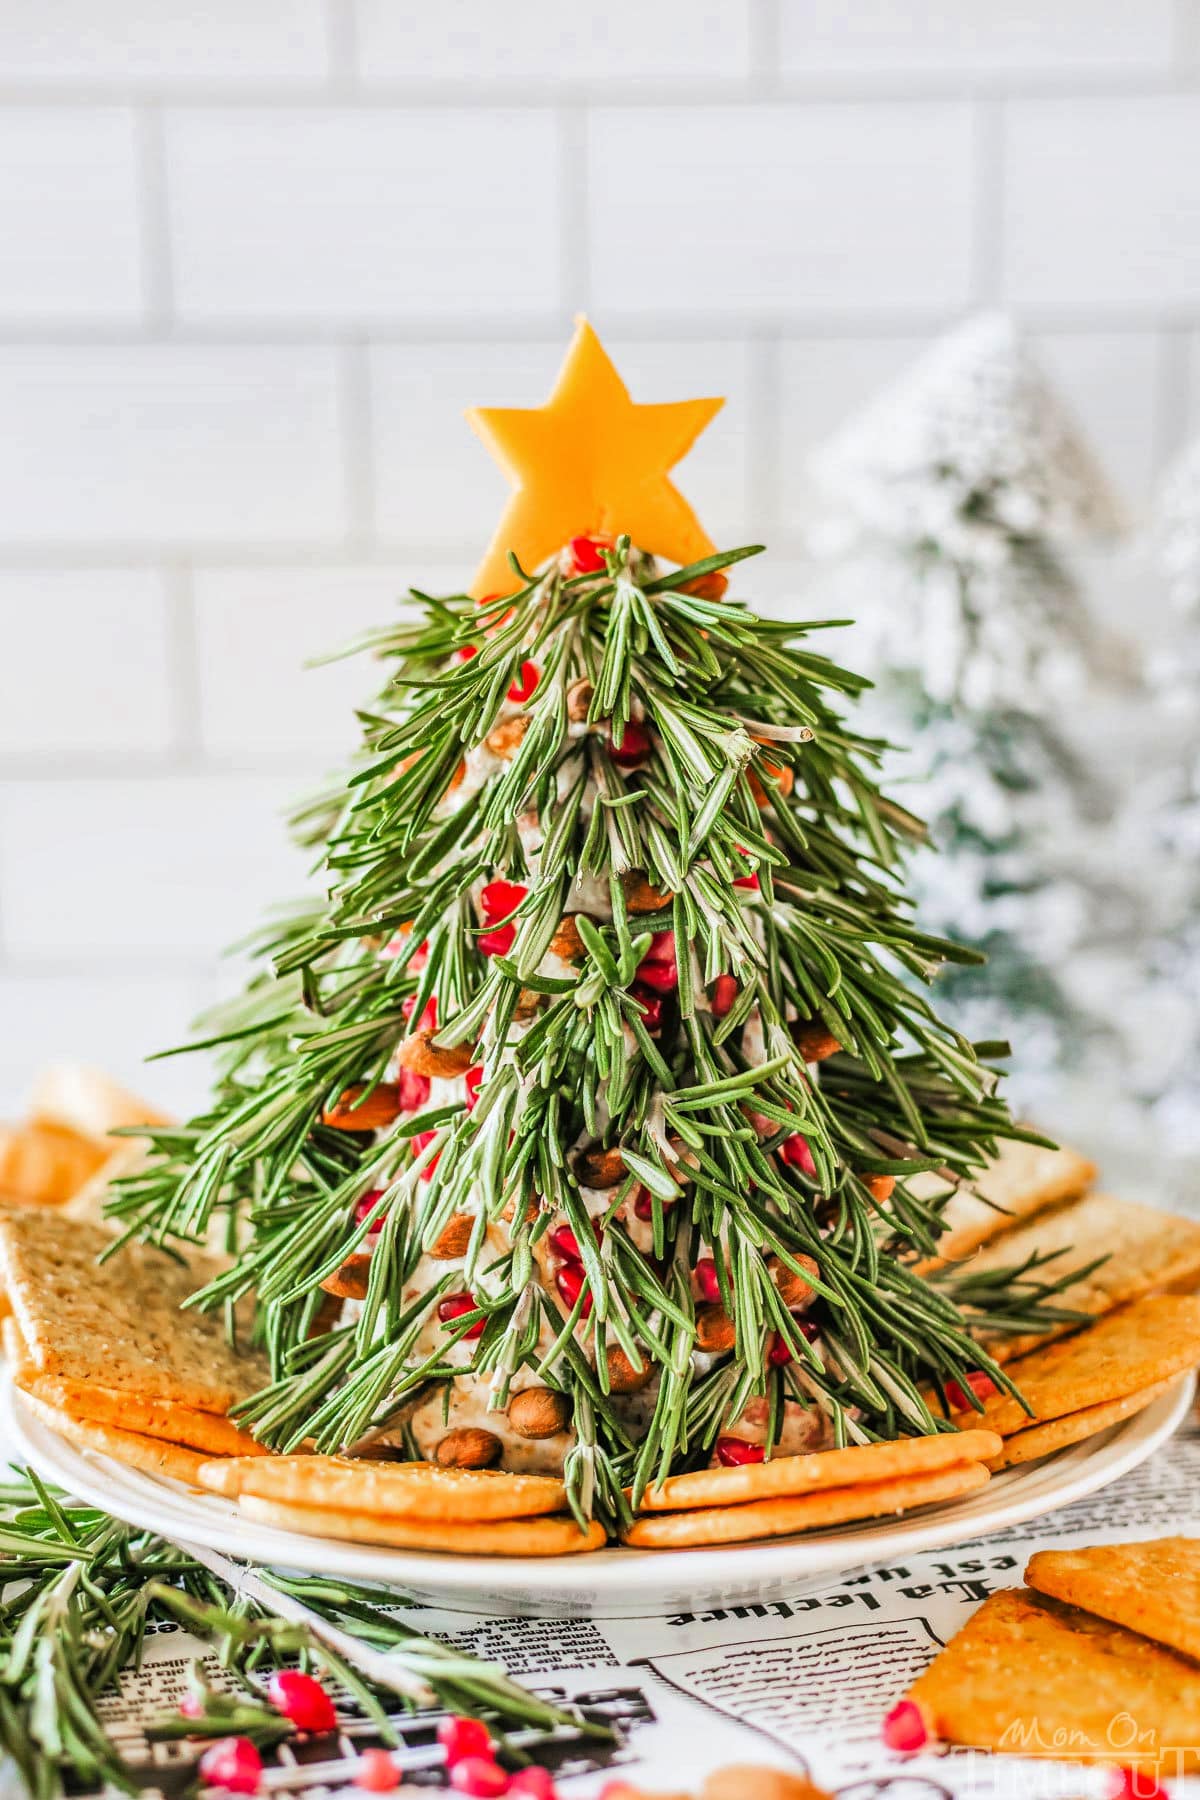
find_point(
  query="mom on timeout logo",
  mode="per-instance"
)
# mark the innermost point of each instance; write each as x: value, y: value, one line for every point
x: 1131, y: 1761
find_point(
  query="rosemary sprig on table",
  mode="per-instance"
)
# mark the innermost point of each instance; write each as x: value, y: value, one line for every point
x: 79, y: 1590
x: 755, y: 815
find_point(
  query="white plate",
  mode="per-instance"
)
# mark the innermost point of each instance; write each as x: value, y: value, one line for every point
x: 611, y: 1583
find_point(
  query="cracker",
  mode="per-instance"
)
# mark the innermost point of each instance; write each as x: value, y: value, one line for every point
x: 153, y: 1456
x: 46, y: 1164
x: 548, y: 1536
x: 1152, y: 1588
x: 86, y: 1101
x: 1031, y: 1676
x: 1142, y: 1344
x: 388, y: 1489
x: 803, y: 1512
x: 1056, y: 1434
x: 1146, y: 1251
x: 119, y: 1325
x: 206, y: 1432
x: 15, y: 1353
x: 786, y: 1475
x: 1020, y: 1181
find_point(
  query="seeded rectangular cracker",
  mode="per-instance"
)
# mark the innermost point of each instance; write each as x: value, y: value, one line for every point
x: 788, y: 1475
x: 554, y: 1535
x: 1152, y: 1588
x: 413, y: 1490
x: 1146, y: 1252
x: 1133, y: 1348
x: 1020, y: 1181
x: 118, y: 1325
x: 1031, y: 1676
x: 786, y: 1515
x: 1073, y: 1428
x: 154, y: 1456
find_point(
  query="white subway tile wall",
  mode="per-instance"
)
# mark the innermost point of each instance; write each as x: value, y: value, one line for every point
x: 256, y: 256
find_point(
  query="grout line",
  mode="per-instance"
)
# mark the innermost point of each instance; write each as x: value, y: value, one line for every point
x: 358, y: 461
x: 987, y: 207
x: 184, y: 667
x: 154, y: 212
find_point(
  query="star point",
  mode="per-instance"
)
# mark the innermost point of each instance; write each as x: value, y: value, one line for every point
x: 590, y: 461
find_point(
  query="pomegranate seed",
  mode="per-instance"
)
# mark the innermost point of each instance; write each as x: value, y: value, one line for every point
x: 585, y: 554
x: 569, y: 1282
x: 734, y: 1453
x: 662, y: 947
x: 643, y: 1206
x: 428, y: 1019
x: 808, y: 1329
x: 566, y: 1243
x: 474, y: 1081
x: 725, y: 992
x: 795, y: 1151
x: 418, y: 1144
x: 747, y: 881
x: 453, y: 1307
x: 661, y: 977
x: 364, y: 1207
x: 376, y: 1773
x: 498, y: 942
x: 779, y: 1353
x: 302, y: 1699
x: 500, y: 898
x: 412, y: 1090
x: 399, y: 946
x: 1134, y: 1784
x: 191, y: 1707
x: 651, y: 1007
x: 706, y: 1279
x: 904, y: 1728
x: 525, y: 686
x: 460, y: 1736
x: 980, y: 1384
x: 467, y: 651
x: 479, y: 1776
x: 234, y: 1764
x: 635, y: 743
x: 533, y: 1784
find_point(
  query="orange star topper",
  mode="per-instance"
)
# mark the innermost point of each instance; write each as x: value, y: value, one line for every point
x: 591, y: 461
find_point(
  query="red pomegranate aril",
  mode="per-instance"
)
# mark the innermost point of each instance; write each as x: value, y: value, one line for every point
x: 302, y: 1699
x: 795, y: 1151
x: 980, y: 1384
x: 635, y: 743
x: 643, y: 1205
x: 418, y: 1144
x: 478, y: 1776
x: 467, y: 651
x: 232, y: 1763
x: 365, y: 1206
x: 533, y: 1784
x: 586, y: 555
x: 412, y: 1090
x: 808, y: 1329
x: 707, y: 1280
x: 735, y: 1453
x: 569, y: 1281
x: 659, y: 977
x: 460, y: 1737
x: 191, y: 1707
x: 500, y: 898
x: 498, y: 942
x: 662, y: 947
x: 725, y: 992
x: 566, y: 1243
x: 525, y: 686
x: 376, y: 1772
x: 473, y: 1080
x: 904, y: 1728
x: 778, y: 1354
x: 428, y: 1018
x: 454, y: 1306
x: 747, y: 881
x: 652, y: 1008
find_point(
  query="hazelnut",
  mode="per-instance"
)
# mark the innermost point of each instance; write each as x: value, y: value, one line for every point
x: 350, y: 1281
x: 623, y: 1378
x: 579, y: 700
x: 641, y: 896
x: 350, y: 1112
x: 596, y: 1167
x: 793, y: 1290
x: 538, y: 1413
x: 453, y: 1239
x: 529, y: 1004
x: 566, y: 942
x: 880, y: 1187
x: 504, y: 739
x: 422, y: 1056
x: 713, y: 586
x: 468, y: 1448
x: 714, y: 1328
x: 814, y: 1040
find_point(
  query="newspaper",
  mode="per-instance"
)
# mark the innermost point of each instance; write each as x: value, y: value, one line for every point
x: 801, y: 1682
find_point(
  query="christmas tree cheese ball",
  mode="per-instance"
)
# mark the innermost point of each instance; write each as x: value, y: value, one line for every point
x: 575, y: 1126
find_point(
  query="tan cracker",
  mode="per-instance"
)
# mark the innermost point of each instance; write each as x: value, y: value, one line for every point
x: 154, y: 1456
x: 387, y: 1489
x: 1020, y: 1181
x: 207, y: 1432
x: 1152, y: 1588
x: 548, y: 1536
x: 1074, y: 1427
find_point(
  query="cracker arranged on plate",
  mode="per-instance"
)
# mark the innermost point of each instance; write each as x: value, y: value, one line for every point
x: 1029, y: 1675
x: 546, y: 1535
x: 1020, y: 1181
x: 154, y: 1456
x: 1073, y: 1428
x: 1152, y: 1588
x: 120, y: 1324
x: 411, y: 1490
x: 783, y: 1516
x: 790, y: 1475
x: 209, y: 1433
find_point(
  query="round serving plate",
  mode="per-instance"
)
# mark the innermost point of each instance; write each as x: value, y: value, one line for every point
x: 611, y: 1583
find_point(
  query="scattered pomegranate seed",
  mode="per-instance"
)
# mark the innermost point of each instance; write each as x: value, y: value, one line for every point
x: 412, y: 1090
x: 779, y: 1353
x: 500, y: 898
x: 808, y: 1329
x: 734, y: 1453
x: 533, y: 1784
x: 364, y: 1207
x: 302, y: 1699
x: 399, y: 946
x: 460, y: 1736
x: 635, y: 743
x: 474, y: 1081
x: 428, y: 1019
x: 795, y: 1151
x: 467, y: 651
x: 569, y: 1282
x: 419, y: 1142
x: 191, y: 1707
x: 1134, y: 1784
x: 904, y: 1728
x: 725, y: 992
x: 478, y: 1776
x: 643, y: 1205
x: 525, y: 686
x: 651, y: 1007
x: 586, y: 558
x: 659, y: 977
x: 980, y: 1384
x: 454, y: 1306
x: 566, y: 1243
x: 498, y: 942
x: 662, y: 947
x: 706, y: 1279
x: 234, y: 1764
x: 747, y: 881
x: 376, y: 1773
